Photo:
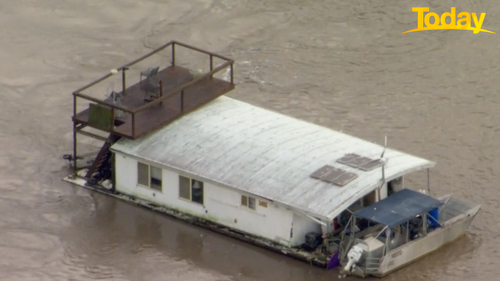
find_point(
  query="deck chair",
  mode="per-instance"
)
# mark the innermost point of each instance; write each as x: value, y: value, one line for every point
x: 150, y: 86
x: 151, y: 90
x: 149, y: 73
x: 116, y: 98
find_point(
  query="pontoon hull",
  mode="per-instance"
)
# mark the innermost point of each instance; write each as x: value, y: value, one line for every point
x: 296, y: 253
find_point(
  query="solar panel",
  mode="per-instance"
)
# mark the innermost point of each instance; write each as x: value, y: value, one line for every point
x: 334, y: 175
x: 360, y: 162
x: 321, y: 172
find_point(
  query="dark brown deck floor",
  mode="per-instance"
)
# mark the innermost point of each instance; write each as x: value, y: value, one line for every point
x: 159, y: 115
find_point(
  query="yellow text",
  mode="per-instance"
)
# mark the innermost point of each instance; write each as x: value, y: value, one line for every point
x: 462, y: 22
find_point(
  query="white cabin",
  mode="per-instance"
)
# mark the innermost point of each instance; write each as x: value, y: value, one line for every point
x: 250, y: 169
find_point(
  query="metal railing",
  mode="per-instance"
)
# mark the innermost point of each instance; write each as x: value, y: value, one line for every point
x: 162, y: 96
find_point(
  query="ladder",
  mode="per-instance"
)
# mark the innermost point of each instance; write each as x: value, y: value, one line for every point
x: 102, y: 157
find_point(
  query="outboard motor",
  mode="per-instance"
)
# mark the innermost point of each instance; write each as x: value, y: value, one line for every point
x: 353, y: 256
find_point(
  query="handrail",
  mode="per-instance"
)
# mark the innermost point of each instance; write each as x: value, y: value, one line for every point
x: 182, y: 87
x: 124, y: 66
x: 173, y: 42
x: 161, y: 48
x: 96, y: 100
x: 93, y: 83
x: 202, y: 51
x: 78, y: 93
x: 121, y: 68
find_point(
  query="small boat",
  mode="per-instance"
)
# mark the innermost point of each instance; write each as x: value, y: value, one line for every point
x: 399, y: 229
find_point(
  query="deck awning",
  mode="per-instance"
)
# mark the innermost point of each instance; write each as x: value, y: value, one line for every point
x: 398, y: 208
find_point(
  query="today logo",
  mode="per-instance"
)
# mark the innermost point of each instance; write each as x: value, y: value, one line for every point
x: 464, y: 21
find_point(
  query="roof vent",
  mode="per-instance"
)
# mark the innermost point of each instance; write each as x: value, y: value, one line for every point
x: 334, y: 175
x: 360, y: 162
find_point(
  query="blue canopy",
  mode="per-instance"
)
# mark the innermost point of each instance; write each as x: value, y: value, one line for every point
x: 398, y: 208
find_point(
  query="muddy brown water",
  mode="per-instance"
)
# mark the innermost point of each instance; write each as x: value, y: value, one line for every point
x: 342, y: 64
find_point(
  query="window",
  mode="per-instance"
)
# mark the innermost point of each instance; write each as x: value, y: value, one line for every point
x: 149, y: 176
x: 248, y: 202
x: 191, y: 189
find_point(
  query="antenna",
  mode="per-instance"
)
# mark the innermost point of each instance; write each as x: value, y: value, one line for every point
x: 385, y: 146
x: 383, y: 167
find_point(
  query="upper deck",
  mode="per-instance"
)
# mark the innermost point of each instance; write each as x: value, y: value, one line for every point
x: 151, y: 101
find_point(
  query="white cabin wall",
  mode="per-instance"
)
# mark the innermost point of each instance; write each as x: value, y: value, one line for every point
x: 224, y: 206
x: 221, y: 205
x: 126, y: 182
x: 301, y: 226
x: 125, y: 171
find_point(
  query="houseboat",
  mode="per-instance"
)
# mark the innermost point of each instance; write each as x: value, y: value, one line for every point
x: 173, y: 143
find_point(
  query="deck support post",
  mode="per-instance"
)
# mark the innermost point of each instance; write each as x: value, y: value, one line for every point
x: 428, y: 182
x: 232, y: 76
x: 211, y: 65
x: 124, y: 84
x: 75, y: 168
x: 173, y: 54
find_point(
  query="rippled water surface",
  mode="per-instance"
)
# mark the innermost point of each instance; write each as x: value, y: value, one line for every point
x: 341, y: 64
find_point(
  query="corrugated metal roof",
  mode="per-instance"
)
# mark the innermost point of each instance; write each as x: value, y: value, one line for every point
x: 267, y: 154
